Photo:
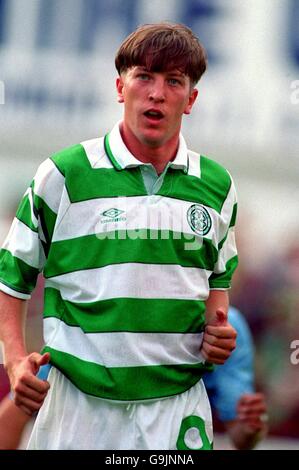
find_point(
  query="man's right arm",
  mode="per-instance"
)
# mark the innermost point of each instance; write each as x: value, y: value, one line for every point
x: 21, y: 367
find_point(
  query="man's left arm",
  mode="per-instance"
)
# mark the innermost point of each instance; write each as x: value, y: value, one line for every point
x: 219, y: 339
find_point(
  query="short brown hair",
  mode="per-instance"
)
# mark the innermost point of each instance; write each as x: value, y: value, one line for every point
x: 161, y: 47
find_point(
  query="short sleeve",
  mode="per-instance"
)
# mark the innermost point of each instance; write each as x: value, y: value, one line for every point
x: 227, y: 251
x: 25, y: 250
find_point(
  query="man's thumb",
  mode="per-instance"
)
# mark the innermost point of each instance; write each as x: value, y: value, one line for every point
x: 39, y: 360
x: 44, y: 359
x: 220, y: 318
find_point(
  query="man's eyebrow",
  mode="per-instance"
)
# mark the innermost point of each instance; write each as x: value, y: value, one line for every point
x: 177, y: 74
x: 142, y: 68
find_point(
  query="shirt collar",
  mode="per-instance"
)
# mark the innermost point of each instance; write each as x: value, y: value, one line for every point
x: 122, y: 158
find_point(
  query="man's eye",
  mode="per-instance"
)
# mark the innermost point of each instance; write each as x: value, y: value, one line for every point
x: 173, y: 81
x: 143, y: 76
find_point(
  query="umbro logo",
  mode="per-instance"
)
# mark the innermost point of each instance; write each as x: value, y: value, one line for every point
x: 113, y: 215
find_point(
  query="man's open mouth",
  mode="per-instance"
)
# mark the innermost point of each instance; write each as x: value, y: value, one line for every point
x: 156, y: 115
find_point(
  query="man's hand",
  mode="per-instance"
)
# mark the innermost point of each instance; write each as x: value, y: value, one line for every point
x: 29, y: 391
x: 251, y: 410
x: 219, y: 339
x: 251, y: 423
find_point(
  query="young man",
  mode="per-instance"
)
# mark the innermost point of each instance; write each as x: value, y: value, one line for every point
x: 135, y: 236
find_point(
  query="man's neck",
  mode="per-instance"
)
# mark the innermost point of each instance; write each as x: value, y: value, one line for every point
x: 158, y: 156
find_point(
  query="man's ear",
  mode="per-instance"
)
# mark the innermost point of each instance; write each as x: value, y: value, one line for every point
x: 119, y: 87
x: 191, y: 101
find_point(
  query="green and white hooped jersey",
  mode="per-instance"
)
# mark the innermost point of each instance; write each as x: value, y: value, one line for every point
x: 127, y: 268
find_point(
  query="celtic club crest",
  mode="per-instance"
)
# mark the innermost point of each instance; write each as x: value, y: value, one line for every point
x: 199, y: 219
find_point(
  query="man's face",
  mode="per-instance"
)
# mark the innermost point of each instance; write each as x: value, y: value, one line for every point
x: 154, y: 103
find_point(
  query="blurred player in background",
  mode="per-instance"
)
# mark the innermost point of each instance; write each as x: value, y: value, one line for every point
x: 132, y: 319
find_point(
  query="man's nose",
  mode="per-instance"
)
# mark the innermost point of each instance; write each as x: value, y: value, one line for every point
x: 157, y: 91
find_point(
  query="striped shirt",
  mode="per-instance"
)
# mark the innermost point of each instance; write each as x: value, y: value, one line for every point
x: 128, y: 260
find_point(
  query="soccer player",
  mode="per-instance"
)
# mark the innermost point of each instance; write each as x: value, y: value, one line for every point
x: 232, y: 394
x: 134, y: 234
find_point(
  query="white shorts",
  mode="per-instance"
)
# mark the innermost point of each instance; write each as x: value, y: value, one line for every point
x: 70, y: 419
